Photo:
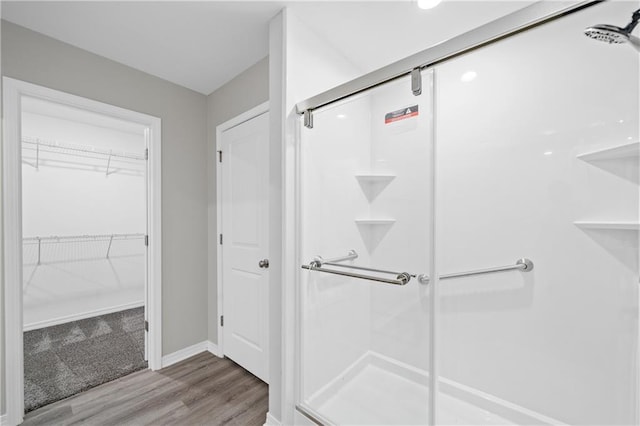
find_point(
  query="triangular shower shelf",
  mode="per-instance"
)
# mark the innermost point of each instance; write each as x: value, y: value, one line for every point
x: 373, y: 230
x: 619, y: 225
x: 375, y: 222
x: 373, y: 184
x: 629, y: 150
x: 372, y: 178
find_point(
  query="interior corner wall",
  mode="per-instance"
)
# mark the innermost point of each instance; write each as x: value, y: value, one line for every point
x: 302, y: 65
x: 276, y: 134
x: 38, y: 59
x: 2, y: 344
x: 245, y: 91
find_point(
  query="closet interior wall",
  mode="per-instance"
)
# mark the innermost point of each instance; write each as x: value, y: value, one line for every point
x: 84, y: 214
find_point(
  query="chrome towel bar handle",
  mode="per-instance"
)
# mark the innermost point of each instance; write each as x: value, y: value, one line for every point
x: 319, y: 260
x: 362, y: 268
x: 402, y: 278
x: 524, y: 265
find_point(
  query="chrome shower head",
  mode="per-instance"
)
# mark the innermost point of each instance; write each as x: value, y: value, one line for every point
x: 607, y: 33
x: 615, y: 35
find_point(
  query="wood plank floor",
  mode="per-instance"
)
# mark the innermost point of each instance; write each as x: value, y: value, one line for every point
x: 202, y: 390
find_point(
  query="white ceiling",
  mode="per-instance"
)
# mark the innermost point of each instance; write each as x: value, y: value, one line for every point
x: 199, y: 45
x: 374, y: 34
x: 202, y: 45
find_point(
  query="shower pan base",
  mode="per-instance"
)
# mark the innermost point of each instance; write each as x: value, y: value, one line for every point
x: 377, y: 390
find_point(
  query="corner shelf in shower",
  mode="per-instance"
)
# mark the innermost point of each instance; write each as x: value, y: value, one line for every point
x: 373, y: 178
x: 375, y: 222
x: 372, y: 230
x: 373, y: 184
x: 619, y: 225
x: 619, y: 152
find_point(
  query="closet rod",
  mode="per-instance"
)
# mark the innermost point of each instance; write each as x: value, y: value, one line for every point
x: 79, y: 239
x: 79, y: 148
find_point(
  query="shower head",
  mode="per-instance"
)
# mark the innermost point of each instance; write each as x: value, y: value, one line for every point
x: 607, y: 33
x: 615, y: 35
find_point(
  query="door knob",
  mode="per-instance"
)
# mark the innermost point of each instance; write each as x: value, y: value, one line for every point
x: 264, y: 263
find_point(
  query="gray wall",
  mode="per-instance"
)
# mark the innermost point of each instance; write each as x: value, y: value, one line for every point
x: 32, y: 57
x: 245, y: 91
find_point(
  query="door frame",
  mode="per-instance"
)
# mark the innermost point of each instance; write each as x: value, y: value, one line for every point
x: 246, y: 116
x: 13, y: 91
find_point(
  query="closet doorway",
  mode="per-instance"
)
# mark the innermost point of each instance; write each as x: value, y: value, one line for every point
x: 82, y: 244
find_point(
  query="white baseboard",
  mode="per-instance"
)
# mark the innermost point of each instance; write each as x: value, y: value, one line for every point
x: 271, y: 421
x: 5, y: 421
x: 83, y: 315
x: 183, y: 354
x: 188, y: 352
x: 213, y: 348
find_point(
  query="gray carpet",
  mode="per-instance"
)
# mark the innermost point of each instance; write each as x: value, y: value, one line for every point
x: 62, y: 360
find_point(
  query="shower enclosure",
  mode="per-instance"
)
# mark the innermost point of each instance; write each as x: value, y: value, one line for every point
x: 469, y: 255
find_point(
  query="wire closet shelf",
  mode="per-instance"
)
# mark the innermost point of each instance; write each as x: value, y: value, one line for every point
x: 105, y: 240
x: 37, y: 151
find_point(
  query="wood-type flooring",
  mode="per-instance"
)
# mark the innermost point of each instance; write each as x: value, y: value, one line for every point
x: 201, y: 390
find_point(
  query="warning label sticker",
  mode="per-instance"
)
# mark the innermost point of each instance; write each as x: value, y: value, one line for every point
x: 401, y: 114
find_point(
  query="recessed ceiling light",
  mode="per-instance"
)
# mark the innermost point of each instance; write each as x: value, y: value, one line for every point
x: 428, y: 4
x: 468, y: 76
x: 341, y: 116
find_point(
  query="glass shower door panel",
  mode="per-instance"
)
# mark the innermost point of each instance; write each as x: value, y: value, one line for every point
x: 366, y: 194
x: 537, y: 157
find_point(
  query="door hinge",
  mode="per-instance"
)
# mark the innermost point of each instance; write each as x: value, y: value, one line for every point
x: 221, y: 320
x: 220, y: 239
x: 416, y: 81
x: 146, y: 153
x: 219, y: 156
x: 146, y: 325
x: 146, y: 240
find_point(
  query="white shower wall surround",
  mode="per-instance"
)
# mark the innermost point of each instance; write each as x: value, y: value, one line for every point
x: 499, y: 160
x: 70, y: 194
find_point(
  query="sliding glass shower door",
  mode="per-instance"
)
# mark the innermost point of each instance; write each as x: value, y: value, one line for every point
x: 470, y: 255
x: 366, y: 187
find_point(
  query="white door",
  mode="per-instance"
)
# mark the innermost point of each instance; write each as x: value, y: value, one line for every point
x: 245, y: 273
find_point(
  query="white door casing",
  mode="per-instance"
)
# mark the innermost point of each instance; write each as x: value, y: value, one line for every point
x: 244, y: 218
x: 13, y: 91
